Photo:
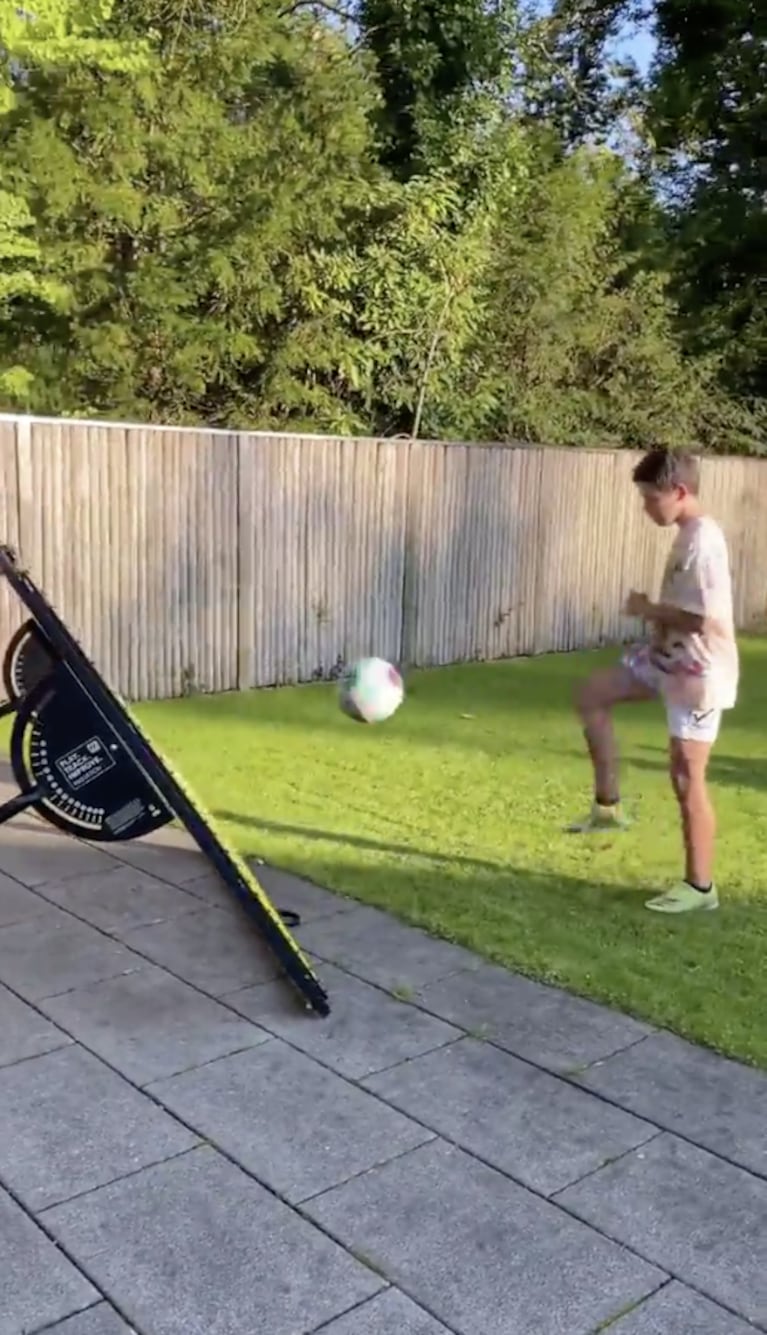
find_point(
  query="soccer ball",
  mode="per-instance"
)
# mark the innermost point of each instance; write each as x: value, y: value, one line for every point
x: 370, y: 690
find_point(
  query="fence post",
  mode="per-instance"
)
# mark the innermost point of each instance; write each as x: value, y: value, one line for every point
x: 411, y: 559
x: 245, y: 574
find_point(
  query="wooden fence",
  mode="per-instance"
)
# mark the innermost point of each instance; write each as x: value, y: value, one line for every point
x: 205, y: 560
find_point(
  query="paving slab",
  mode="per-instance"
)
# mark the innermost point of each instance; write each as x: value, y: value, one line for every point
x: 24, y: 1032
x: 39, y: 1284
x: 120, y: 899
x: 69, y: 1124
x: 195, y: 1247
x: 676, y: 1310
x: 680, y: 1206
x: 17, y: 902
x: 32, y: 852
x: 99, y: 1320
x: 382, y: 950
x: 149, y: 1025
x: 169, y: 853
x: 215, y: 951
x: 528, y: 1124
x: 555, y: 1030
x: 42, y: 957
x: 389, y: 1313
x: 285, y: 890
x: 478, y: 1251
x: 717, y: 1103
x: 366, y: 1030
x: 289, y: 891
x: 183, y: 1241
x: 210, y: 891
x: 296, y: 1126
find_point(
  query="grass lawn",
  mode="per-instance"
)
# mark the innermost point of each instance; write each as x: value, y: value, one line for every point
x: 450, y: 816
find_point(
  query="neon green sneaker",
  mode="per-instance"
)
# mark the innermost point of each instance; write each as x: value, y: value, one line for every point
x: 684, y: 899
x: 600, y: 820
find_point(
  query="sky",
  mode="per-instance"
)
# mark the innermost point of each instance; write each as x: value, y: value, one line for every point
x: 640, y: 45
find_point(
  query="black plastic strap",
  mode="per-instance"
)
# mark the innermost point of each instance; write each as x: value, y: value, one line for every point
x: 290, y: 917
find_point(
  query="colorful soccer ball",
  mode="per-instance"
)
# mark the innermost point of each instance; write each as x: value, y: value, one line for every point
x: 370, y: 690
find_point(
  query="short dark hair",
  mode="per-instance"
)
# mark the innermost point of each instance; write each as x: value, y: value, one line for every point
x: 665, y: 469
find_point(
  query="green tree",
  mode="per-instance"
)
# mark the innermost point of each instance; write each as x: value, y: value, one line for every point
x: 418, y: 284
x: 202, y: 213
x: 54, y: 34
x: 519, y: 311
x: 709, y: 119
x: 585, y: 336
x: 433, y: 57
x: 218, y: 242
x: 559, y: 334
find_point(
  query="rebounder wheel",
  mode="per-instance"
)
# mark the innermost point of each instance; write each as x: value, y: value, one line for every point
x: 27, y: 661
x: 88, y: 784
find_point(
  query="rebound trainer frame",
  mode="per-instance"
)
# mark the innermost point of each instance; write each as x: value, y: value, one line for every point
x: 83, y: 763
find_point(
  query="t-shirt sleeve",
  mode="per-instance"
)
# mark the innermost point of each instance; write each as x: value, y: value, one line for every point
x: 705, y: 589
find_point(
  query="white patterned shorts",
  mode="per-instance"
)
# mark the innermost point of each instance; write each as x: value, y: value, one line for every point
x: 688, y: 725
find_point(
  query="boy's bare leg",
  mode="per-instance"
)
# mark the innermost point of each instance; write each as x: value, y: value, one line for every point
x: 689, y: 762
x: 595, y: 701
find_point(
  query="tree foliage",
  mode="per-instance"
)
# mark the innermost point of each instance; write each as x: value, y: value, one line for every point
x: 709, y: 107
x: 431, y: 56
x: 195, y: 211
x: 575, y: 79
x: 243, y: 214
x: 55, y: 34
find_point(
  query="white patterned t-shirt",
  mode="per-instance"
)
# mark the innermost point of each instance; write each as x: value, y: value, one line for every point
x: 700, y: 671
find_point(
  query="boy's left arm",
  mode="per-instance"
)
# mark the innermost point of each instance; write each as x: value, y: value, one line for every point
x: 669, y: 617
x: 694, y: 617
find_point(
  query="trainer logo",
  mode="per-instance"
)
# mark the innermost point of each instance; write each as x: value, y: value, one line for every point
x: 85, y: 763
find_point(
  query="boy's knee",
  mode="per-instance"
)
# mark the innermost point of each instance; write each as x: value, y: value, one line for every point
x: 582, y: 698
x: 688, y: 770
x: 589, y: 696
x: 680, y: 782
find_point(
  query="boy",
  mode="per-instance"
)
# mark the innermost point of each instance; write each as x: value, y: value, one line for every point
x: 690, y: 660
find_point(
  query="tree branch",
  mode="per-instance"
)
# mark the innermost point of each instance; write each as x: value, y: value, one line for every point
x: 328, y: 6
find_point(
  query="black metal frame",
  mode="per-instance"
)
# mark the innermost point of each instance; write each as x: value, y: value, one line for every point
x: 67, y: 657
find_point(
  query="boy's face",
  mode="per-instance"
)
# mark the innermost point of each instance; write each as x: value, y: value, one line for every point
x: 664, y: 505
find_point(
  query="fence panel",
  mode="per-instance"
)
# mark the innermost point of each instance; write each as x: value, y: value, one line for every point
x: 735, y: 490
x: 131, y: 532
x: 11, y: 612
x: 191, y: 560
x: 322, y: 551
x: 472, y: 552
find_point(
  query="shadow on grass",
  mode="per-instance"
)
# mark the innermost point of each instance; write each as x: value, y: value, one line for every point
x: 739, y: 771
x: 700, y: 975
x: 492, y: 877
x: 352, y: 841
